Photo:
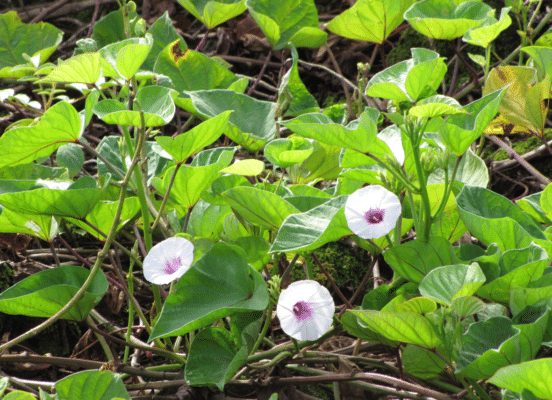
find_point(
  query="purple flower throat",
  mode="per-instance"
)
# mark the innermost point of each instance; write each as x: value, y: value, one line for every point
x: 172, y: 265
x: 374, y: 216
x: 302, y: 310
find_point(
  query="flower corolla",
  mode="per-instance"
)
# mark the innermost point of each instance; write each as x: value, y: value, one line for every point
x: 372, y: 211
x: 305, y: 310
x: 168, y: 260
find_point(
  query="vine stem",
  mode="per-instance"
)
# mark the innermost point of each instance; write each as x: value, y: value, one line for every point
x: 93, y: 272
x: 543, y: 179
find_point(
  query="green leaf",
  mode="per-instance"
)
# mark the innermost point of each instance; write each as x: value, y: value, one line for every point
x: 460, y: 131
x: 312, y: 229
x: 191, y: 71
x: 76, y: 201
x: 122, y: 59
x: 59, y: 125
x: 249, y: 167
x: 206, y: 220
x: 435, y: 106
x: 464, y: 306
x: 442, y: 19
x: 211, y: 290
x: 542, y: 57
x: 17, y: 39
x: 91, y: 385
x: 252, y: 124
x: 532, y: 206
x: 422, y: 363
x: 259, y: 207
x: 256, y: 249
x: 220, y: 185
x: 156, y: 102
x: 534, y: 376
x: 301, y: 101
x: 489, y: 30
x: 193, y: 141
x: 45, y: 293
x: 214, y: 358
x: 70, y: 156
x: 163, y: 33
x: 493, y: 218
x: 408, y: 80
x: 19, y: 395
x: 82, y: 68
x: 519, y: 267
x: 445, y: 283
x: 286, y: 21
x: 358, y: 135
x: 102, y: 216
x: 189, y: 184
x: 111, y: 28
x: 472, y: 171
x: 212, y: 13
x: 286, y: 152
x: 406, y: 327
x: 418, y: 305
x: 414, y: 259
x: 355, y: 326
x: 495, y: 343
x: 110, y: 148
x: 369, y: 20
x: 44, y: 227
x: 216, y: 355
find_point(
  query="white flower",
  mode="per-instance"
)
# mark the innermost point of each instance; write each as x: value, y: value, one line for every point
x: 305, y: 310
x: 168, y: 260
x: 372, y: 212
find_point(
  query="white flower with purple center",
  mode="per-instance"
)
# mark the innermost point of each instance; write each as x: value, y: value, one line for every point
x: 372, y: 211
x: 168, y: 260
x: 305, y: 310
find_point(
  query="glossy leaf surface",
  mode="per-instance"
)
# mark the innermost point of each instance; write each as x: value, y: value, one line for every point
x: 211, y: 290
x: 45, y: 293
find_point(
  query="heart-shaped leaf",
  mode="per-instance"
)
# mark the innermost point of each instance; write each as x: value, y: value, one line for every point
x: 286, y: 21
x: 445, y: 283
x: 76, y: 201
x: 312, y: 229
x: 407, y: 80
x: 414, y: 259
x: 59, y: 125
x: 91, y: 385
x: 442, y: 19
x: 45, y: 293
x: 122, y: 59
x: 534, y: 376
x: 230, y: 288
x: 407, y: 327
x: 211, y: 12
x: 495, y: 343
x: 193, y: 141
x: 489, y: 30
x: 358, y: 135
x: 82, y: 68
x: 17, y: 39
x: 251, y: 125
x: 259, y: 207
x: 369, y: 20
x: 460, y: 131
x: 155, y: 102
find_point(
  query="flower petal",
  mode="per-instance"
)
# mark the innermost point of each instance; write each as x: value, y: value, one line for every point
x: 370, y: 204
x: 169, y: 260
x: 321, y: 306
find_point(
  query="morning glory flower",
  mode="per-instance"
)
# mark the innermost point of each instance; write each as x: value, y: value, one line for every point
x: 372, y: 211
x: 305, y: 310
x: 168, y: 260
